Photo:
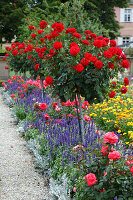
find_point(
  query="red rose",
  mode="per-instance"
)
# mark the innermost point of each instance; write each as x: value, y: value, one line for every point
x: 77, y: 35
x: 110, y: 138
x: 84, y: 61
x: 131, y: 169
x: 91, y: 179
x: 125, y: 64
x: 86, y: 42
x: 40, y: 55
x: 104, y: 150
x: 112, y: 94
x: 98, y: 64
x: 33, y: 35
x: 74, y: 44
x: 43, y: 24
x: 49, y: 80
x: 126, y: 81
x: 15, y: 52
x: 74, y: 50
x: 43, y: 106
x: 6, y: 67
x: 12, y: 95
x: 93, y: 59
x: 113, y: 84
x: 79, y: 67
x: 87, y: 32
x: 59, y: 27
x: 111, y: 65
x: 114, y: 155
x: 98, y: 43
x: 123, y: 90
x: 40, y: 32
x: 57, y: 45
x: 46, y: 116
x: 31, y: 27
x: 108, y: 54
x: 88, y: 55
x: 112, y: 43
x: 70, y: 30
x: 37, y: 66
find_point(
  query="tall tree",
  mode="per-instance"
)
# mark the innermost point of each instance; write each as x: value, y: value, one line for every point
x: 11, y: 13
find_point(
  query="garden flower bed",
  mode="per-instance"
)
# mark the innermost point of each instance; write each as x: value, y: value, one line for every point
x: 116, y: 114
x: 102, y: 168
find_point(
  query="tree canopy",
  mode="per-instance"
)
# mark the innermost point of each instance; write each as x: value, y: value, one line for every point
x: 75, y: 12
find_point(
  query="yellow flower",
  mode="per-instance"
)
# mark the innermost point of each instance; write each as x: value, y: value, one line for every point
x: 119, y: 131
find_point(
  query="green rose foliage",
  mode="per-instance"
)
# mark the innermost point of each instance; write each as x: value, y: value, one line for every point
x: 82, y: 63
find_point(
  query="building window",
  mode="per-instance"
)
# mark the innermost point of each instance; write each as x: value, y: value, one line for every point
x: 127, y: 15
x: 126, y: 41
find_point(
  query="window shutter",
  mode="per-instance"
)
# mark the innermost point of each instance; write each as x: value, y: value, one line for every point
x: 120, y: 41
x: 131, y: 39
x: 121, y: 14
x: 131, y: 15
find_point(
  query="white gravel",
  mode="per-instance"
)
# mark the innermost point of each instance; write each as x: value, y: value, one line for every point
x: 18, y: 178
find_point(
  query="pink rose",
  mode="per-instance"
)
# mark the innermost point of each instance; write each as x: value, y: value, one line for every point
x: 91, y: 179
x: 131, y: 169
x: 114, y: 155
x: 110, y: 138
x: 46, y: 116
x: 87, y: 118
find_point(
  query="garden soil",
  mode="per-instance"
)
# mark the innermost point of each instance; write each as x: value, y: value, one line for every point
x: 18, y: 178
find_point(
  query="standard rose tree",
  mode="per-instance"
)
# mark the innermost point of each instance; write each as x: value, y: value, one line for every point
x: 75, y: 64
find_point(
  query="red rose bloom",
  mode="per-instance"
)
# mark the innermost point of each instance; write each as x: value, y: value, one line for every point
x: 131, y: 169
x: 98, y: 43
x: 113, y: 84
x: 123, y: 90
x: 88, y: 55
x: 87, y: 32
x: 46, y: 116
x: 74, y: 50
x: 111, y: 65
x: 49, y: 80
x: 33, y: 35
x: 84, y: 61
x: 91, y: 179
x: 112, y: 43
x: 126, y: 81
x: 107, y: 54
x: 77, y: 35
x: 125, y: 64
x: 98, y: 64
x: 37, y: 66
x: 70, y: 30
x: 110, y: 138
x: 31, y: 27
x: 12, y: 95
x: 112, y: 94
x: 79, y: 67
x: 57, y: 45
x: 86, y: 42
x: 93, y: 59
x: 59, y: 27
x: 43, y: 106
x: 40, y: 32
x: 74, y: 44
x: 15, y: 52
x: 43, y: 24
x: 114, y: 155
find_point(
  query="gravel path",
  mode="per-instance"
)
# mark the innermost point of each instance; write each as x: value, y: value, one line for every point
x: 18, y: 177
